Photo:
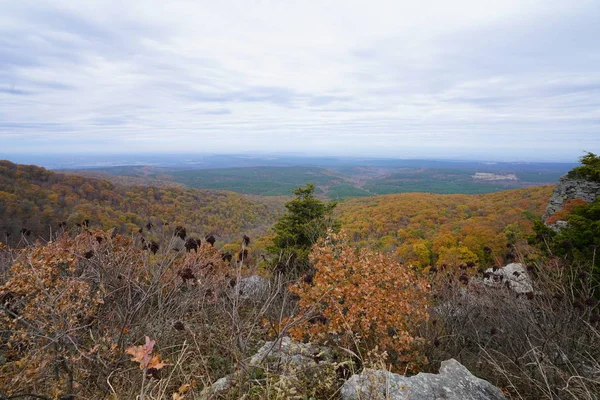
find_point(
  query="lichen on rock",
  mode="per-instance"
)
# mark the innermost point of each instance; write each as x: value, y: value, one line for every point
x: 454, y: 382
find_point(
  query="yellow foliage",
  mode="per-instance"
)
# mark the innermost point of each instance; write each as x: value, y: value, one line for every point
x: 454, y: 256
x: 427, y: 228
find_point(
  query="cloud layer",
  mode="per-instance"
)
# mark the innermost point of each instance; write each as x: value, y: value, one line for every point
x: 506, y: 80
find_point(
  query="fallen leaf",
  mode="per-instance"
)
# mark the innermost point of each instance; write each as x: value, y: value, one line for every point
x: 156, y: 363
x: 183, y: 389
x: 141, y: 354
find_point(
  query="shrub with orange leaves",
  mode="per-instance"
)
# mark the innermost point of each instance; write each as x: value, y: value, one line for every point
x: 70, y: 308
x: 568, y: 207
x: 48, y: 309
x: 363, y: 300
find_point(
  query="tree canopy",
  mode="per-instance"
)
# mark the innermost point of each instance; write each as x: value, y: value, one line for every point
x: 590, y: 168
x: 306, y: 220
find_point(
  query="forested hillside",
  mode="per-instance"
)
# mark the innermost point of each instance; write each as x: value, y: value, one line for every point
x: 426, y: 229
x: 432, y: 229
x: 34, y: 200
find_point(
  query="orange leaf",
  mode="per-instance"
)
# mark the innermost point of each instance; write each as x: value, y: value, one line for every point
x: 183, y: 389
x: 156, y: 363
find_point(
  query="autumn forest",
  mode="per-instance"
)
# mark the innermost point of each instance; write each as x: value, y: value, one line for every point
x: 116, y: 286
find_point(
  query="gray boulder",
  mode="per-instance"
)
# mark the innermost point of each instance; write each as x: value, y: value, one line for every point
x: 512, y: 275
x: 454, y: 382
x: 253, y: 287
x: 290, y: 353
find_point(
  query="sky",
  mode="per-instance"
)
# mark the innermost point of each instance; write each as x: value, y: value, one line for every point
x: 472, y: 79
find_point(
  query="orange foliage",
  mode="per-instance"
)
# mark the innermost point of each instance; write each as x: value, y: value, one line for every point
x: 144, y: 357
x: 568, y: 207
x: 39, y: 200
x: 433, y: 229
x: 362, y: 299
x: 50, y: 304
x: 68, y: 309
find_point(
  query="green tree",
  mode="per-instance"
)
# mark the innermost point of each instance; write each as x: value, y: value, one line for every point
x: 306, y: 220
x: 579, y: 241
x: 582, y: 234
x: 590, y: 168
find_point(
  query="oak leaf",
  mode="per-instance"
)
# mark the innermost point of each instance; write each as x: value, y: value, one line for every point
x: 141, y: 354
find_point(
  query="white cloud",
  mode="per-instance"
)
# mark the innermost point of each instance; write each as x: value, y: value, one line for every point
x: 478, y: 78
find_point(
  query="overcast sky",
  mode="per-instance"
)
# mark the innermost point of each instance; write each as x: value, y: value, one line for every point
x: 509, y: 80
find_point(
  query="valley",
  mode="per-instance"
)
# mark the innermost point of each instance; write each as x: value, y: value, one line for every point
x: 337, y: 179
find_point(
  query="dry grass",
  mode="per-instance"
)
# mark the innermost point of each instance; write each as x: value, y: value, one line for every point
x: 545, y: 344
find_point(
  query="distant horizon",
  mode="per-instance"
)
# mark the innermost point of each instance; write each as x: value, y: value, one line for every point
x: 456, y: 153
x: 95, y: 160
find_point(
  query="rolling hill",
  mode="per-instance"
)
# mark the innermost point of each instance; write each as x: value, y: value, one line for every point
x: 37, y: 200
x: 421, y: 228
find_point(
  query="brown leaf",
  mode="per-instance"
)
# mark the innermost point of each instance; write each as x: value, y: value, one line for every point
x: 141, y: 354
x: 183, y: 389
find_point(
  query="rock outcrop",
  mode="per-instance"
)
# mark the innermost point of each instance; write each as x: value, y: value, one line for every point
x: 512, y: 275
x: 294, y: 362
x: 284, y: 357
x: 454, y: 382
x: 569, y: 189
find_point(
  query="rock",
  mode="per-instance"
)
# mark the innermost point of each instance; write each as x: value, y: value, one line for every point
x: 220, y: 387
x: 512, y: 275
x: 253, y: 287
x: 568, y: 189
x: 291, y: 353
x: 454, y: 382
x: 283, y: 357
x: 222, y: 384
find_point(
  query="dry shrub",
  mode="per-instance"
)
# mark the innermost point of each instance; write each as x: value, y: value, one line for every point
x: 70, y: 309
x: 542, y: 344
x: 363, y: 300
x: 205, y: 266
x: 48, y: 306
